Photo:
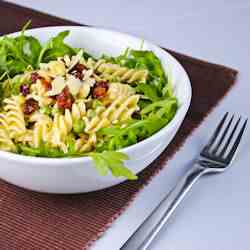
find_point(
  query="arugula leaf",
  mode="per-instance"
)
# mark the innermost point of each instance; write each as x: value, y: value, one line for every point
x: 29, y: 45
x: 160, y: 108
x: 30, y: 48
x: 70, y: 143
x: 121, y: 59
x: 55, y: 48
x: 148, y: 60
x: 43, y: 151
x: 113, y: 161
x: 26, y: 150
x: 17, y: 53
x: 143, y: 103
x: 149, y: 91
x: 13, y: 57
x: 100, y: 163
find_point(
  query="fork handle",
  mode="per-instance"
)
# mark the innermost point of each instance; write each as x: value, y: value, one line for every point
x: 149, y: 229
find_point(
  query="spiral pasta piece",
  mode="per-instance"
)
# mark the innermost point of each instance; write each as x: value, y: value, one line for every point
x: 110, y: 71
x: 4, y: 121
x: 113, y: 71
x: 6, y: 143
x: 97, y: 122
x: 120, y: 110
x: 15, y: 116
x: 63, y: 124
x: 117, y: 90
x: 41, y: 132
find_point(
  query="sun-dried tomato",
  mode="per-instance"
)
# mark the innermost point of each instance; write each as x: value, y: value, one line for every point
x: 77, y: 70
x: 25, y: 89
x: 34, y: 77
x: 99, y: 90
x: 30, y: 106
x: 47, y: 84
x: 65, y: 99
x: 79, y: 67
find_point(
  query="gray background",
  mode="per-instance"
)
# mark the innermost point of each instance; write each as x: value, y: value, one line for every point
x: 216, y: 215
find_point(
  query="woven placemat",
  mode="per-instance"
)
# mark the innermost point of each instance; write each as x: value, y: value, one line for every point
x: 30, y: 220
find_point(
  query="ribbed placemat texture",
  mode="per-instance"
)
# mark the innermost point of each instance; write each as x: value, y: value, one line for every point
x: 30, y: 220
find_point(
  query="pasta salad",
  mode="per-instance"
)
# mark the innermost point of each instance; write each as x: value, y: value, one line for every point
x: 59, y: 101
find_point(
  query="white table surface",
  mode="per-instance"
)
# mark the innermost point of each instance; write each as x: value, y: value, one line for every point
x: 216, y: 214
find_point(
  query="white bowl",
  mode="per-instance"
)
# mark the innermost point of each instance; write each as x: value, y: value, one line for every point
x: 77, y: 175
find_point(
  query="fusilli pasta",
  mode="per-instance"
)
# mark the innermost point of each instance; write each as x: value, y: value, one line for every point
x: 63, y: 124
x: 120, y: 110
x: 6, y: 143
x: 42, y: 132
x: 15, y: 116
x: 117, y: 90
x: 111, y: 71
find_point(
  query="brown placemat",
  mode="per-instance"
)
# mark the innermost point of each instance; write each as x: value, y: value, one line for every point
x: 30, y: 220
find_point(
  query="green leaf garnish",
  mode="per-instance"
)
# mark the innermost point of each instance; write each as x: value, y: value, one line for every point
x: 150, y: 91
x: 17, y: 53
x: 113, y: 161
x: 55, y: 48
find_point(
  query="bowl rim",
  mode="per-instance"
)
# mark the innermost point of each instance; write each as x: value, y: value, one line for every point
x: 64, y: 160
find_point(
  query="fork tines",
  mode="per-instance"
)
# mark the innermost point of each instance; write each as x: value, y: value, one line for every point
x: 223, y: 143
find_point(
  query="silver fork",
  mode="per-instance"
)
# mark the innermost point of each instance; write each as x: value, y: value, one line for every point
x: 215, y: 157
